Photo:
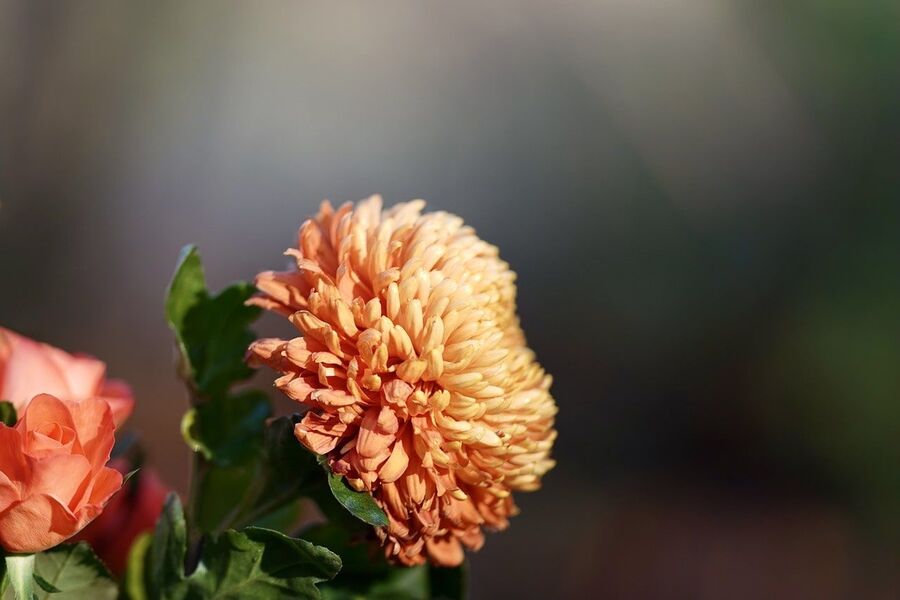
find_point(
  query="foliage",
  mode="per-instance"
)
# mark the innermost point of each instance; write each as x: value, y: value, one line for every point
x: 254, y: 563
x: 66, y: 572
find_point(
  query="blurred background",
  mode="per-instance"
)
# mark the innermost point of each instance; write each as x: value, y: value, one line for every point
x: 700, y: 198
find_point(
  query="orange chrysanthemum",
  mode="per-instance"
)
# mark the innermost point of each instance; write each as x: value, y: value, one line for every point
x: 419, y: 384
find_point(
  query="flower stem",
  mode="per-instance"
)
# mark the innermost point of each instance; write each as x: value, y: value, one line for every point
x: 20, y: 570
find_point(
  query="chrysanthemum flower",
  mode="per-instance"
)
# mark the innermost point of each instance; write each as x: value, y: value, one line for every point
x: 419, y: 385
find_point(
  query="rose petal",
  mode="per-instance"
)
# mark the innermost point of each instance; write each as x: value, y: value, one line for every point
x: 118, y: 395
x: 106, y: 483
x: 9, y: 492
x: 94, y: 425
x: 28, y: 370
x: 12, y: 461
x: 45, y: 408
x: 60, y: 477
x: 35, y: 524
x: 83, y: 374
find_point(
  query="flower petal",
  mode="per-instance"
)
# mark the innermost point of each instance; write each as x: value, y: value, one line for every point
x: 35, y: 524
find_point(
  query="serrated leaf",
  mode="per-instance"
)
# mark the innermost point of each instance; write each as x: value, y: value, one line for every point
x: 73, y: 572
x: 165, y: 559
x: 7, y: 413
x: 217, y: 334
x: 211, y: 331
x: 261, y: 563
x: 255, y: 563
x: 360, y: 504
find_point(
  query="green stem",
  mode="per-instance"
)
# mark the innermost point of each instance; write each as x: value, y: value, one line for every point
x: 199, y: 468
x: 20, y: 570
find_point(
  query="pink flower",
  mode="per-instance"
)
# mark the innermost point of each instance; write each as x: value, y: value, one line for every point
x: 29, y: 368
x: 53, y: 478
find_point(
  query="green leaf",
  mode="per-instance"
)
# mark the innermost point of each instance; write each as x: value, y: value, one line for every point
x: 255, y: 563
x: 20, y: 571
x: 226, y: 429
x: 229, y: 431
x: 212, y: 333
x: 286, y: 518
x: 46, y: 585
x: 264, y: 492
x: 186, y: 291
x: 289, y: 467
x: 127, y: 477
x: 73, y: 572
x: 7, y: 413
x: 261, y: 563
x: 223, y: 493
x: 360, y: 504
x: 165, y: 559
x: 217, y: 334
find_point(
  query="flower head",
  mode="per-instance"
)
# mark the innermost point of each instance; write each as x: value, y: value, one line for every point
x: 419, y: 384
x: 53, y: 478
x: 29, y: 368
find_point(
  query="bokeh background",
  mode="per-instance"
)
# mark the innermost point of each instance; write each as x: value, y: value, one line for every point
x: 700, y: 198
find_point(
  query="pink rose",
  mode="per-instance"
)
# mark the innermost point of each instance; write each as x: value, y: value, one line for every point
x: 53, y: 474
x: 29, y: 368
